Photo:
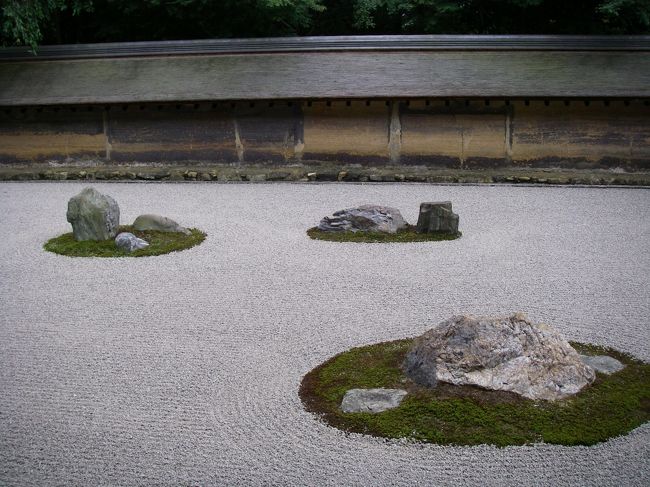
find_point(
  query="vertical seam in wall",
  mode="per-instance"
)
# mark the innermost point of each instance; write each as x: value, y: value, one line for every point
x: 508, y: 134
x: 107, y: 135
x: 462, y: 145
x: 299, y: 132
x: 238, y: 143
x: 394, y: 133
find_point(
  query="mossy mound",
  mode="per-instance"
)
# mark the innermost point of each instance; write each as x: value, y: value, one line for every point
x: 407, y: 235
x: 466, y: 415
x: 159, y: 243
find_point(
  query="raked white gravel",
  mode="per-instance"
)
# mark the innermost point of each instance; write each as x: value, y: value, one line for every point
x: 184, y: 369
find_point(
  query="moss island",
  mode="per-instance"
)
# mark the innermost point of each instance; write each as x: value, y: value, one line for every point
x: 407, y: 235
x: 612, y: 405
x: 159, y: 243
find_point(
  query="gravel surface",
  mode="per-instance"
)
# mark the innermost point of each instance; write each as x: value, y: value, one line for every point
x: 184, y: 369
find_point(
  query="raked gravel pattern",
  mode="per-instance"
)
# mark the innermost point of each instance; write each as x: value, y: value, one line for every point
x: 184, y: 369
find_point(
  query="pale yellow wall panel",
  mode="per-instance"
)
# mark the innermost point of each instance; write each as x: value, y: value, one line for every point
x: 483, y: 135
x: 356, y: 129
x: 27, y: 146
x: 431, y: 134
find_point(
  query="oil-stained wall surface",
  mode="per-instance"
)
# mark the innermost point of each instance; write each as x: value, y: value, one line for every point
x: 458, y: 133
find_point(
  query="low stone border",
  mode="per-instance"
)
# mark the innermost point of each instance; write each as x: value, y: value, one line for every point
x: 321, y: 174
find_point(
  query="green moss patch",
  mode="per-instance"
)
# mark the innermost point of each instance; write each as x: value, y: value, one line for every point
x: 466, y: 415
x: 407, y: 235
x: 159, y: 243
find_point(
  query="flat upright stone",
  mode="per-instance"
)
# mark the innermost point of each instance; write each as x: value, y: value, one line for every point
x: 93, y: 215
x: 437, y: 217
x: 129, y: 242
x: 158, y: 223
x: 507, y: 353
x: 603, y: 363
x: 371, y: 400
x: 365, y: 218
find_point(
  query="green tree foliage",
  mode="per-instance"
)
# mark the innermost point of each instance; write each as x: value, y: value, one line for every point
x: 22, y: 22
x: 32, y: 22
x: 502, y: 16
x: 29, y: 22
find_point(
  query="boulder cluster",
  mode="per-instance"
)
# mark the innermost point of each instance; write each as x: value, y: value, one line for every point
x: 434, y: 218
x: 96, y: 216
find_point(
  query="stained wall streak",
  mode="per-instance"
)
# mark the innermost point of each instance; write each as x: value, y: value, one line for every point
x: 267, y: 133
x: 181, y: 132
x: 453, y: 133
x: 588, y: 133
x: 51, y: 134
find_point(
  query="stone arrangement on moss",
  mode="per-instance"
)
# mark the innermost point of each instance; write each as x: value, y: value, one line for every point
x: 95, y: 221
x: 612, y: 405
x: 159, y: 243
x: 376, y: 223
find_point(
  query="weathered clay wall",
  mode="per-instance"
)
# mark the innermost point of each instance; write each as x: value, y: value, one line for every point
x: 436, y: 133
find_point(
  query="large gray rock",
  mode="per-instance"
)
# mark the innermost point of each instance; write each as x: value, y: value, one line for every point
x: 437, y: 218
x: 371, y: 400
x: 498, y: 353
x: 603, y: 363
x: 93, y: 215
x: 129, y: 242
x: 365, y: 218
x: 158, y: 223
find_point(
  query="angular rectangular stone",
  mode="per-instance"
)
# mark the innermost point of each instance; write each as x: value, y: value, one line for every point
x: 437, y: 217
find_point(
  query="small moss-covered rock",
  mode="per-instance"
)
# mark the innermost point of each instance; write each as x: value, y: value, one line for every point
x: 128, y: 242
x: 158, y: 223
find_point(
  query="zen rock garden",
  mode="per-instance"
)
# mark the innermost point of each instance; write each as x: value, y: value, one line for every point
x: 436, y: 221
x: 96, y: 230
x: 468, y: 380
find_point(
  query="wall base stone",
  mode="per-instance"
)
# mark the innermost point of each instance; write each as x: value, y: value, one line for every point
x: 319, y: 173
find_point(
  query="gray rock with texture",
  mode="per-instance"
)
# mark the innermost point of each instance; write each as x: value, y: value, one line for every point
x: 158, y: 223
x: 602, y: 363
x: 129, y: 242
x: 437, y: 217
x: 498, y: 353
x: 371, y: 400
x: 365, y: 218
x: 93, y: 215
